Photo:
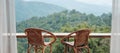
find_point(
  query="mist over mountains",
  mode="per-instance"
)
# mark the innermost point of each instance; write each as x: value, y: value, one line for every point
x: 25, y: 10
x: 80, y: 6
x: 28, y: 9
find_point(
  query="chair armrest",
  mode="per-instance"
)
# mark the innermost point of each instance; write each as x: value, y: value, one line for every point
x: 54, y: 37
x: 66, y: 37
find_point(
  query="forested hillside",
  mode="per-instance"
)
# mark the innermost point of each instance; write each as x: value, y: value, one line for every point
x: 68, y: 21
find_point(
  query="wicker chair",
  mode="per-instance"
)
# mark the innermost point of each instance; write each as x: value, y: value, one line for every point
x: 36, y: 39
x: 80, y: 41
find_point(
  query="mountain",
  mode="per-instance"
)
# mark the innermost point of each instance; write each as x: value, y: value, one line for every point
x: 25, y: 10
x: 70, y: 20
x: 80, y: 6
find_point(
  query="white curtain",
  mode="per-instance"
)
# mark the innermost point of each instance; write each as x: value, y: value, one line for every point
x: 115, y: 37
x: 8, y: 41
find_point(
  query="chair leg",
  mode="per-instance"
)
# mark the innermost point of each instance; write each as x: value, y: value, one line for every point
x: 50, y: 48
x: 65, y: 50
x: 75, y: 50
x: 28, y: 50
x: 79, y: 50
x: 35, y: 49
x: 43, y: 49
x: 88, y: 49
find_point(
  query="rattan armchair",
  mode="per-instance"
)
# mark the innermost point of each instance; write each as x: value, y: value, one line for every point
x: 36, y: 39
x: 80, y: 41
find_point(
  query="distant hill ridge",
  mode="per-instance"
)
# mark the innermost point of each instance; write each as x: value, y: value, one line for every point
x: 70, y: 20
x: 25, y: 10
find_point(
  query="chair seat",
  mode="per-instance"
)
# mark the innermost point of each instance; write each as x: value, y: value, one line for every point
x: 70, y: 43
x: 47, y: 43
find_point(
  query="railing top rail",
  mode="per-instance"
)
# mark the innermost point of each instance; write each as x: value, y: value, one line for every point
x: 60, y: 35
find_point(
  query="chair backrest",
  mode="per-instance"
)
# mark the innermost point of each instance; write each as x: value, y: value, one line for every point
x: 81, y: 38
x: 34, y: 36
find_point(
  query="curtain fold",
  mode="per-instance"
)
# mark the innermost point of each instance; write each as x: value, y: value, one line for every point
x: 8, y: 41
x: 115, y: 37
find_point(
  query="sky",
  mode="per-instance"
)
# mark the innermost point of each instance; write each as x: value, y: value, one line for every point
x: 95, y: 2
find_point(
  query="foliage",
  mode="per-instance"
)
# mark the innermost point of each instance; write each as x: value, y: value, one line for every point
x: 68, y: 21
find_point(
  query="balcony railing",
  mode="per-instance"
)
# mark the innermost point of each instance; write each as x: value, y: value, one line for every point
x: 94, y: 37
x: 61, y: 35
